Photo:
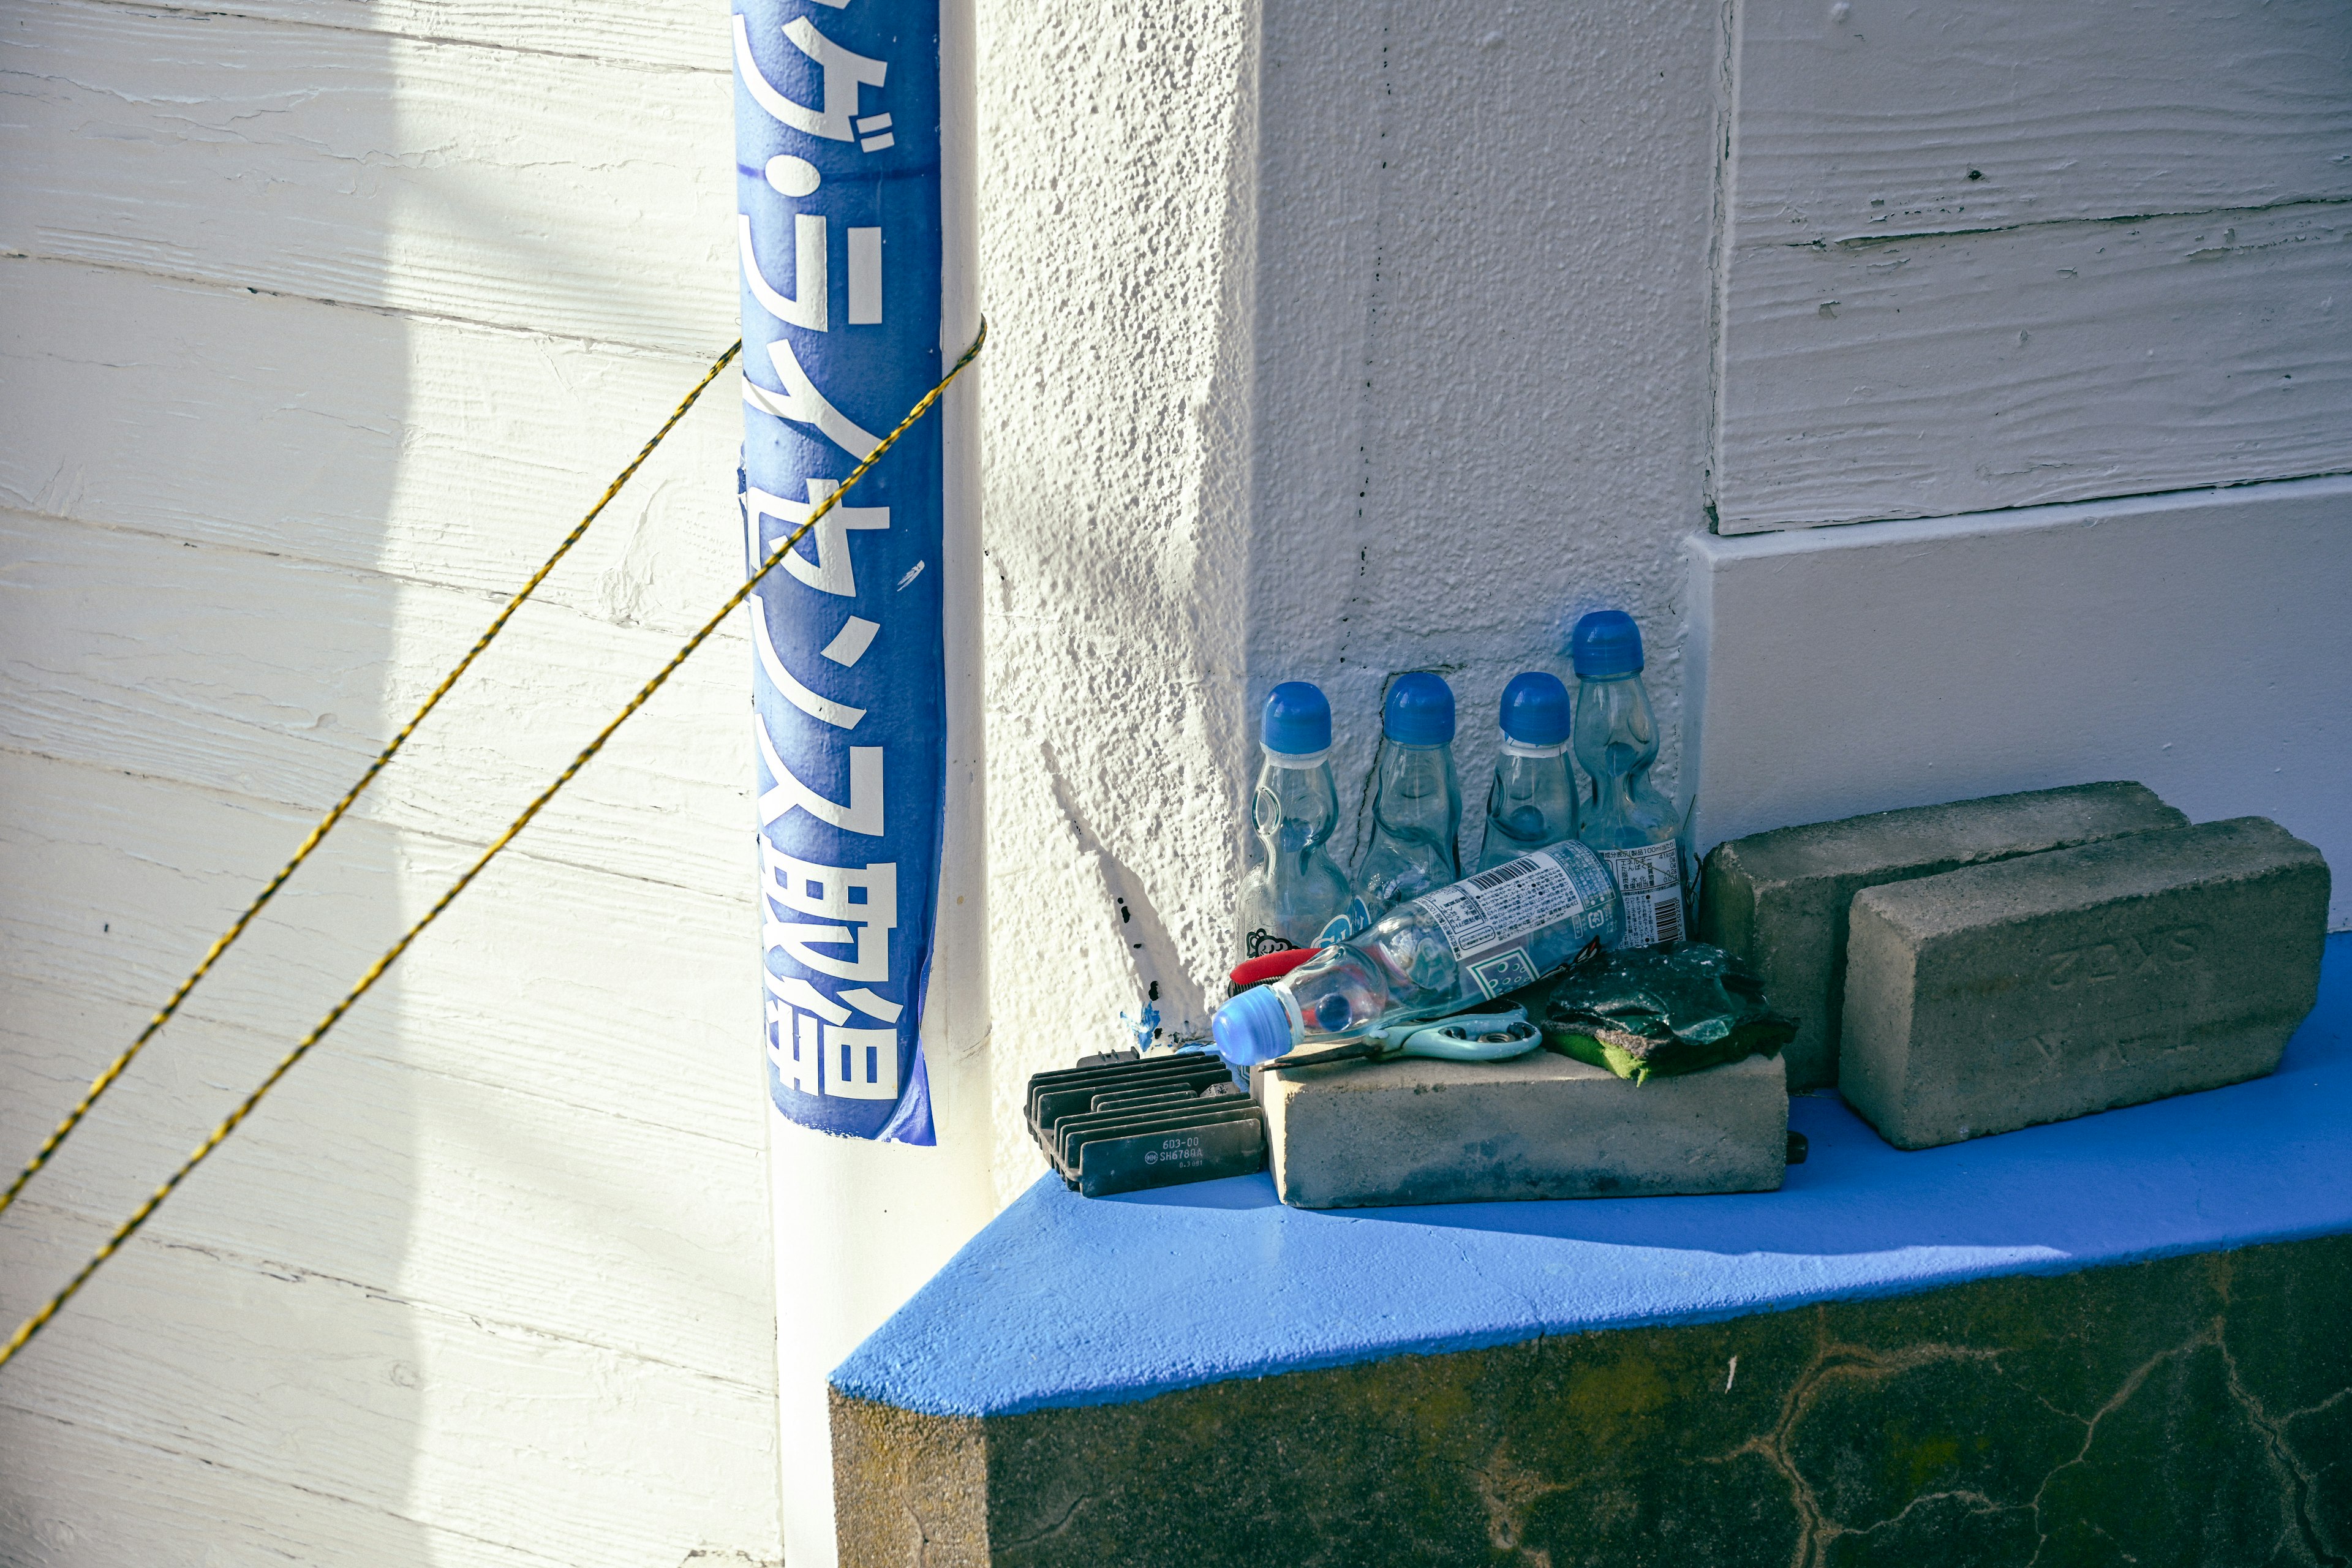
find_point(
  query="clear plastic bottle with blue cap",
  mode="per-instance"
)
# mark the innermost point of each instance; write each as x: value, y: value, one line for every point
x: 1634, y: 828
x: 1296, y: 895
x: 1449, y: 950
x: 1532, y: 801
x: 1416, y: 797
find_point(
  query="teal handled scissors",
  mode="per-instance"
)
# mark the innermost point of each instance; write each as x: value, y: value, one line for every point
x: 1473, y: 1037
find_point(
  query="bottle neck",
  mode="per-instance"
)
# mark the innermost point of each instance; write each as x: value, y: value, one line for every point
x: 1532, y: 773
x: 1612, y: 797
x: 1417, y: 788
x: 1298, y: 805
x: 1616, y: 731
x: 1616, y: 740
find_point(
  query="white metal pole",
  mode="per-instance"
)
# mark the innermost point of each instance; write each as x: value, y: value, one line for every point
x: 857, y: 170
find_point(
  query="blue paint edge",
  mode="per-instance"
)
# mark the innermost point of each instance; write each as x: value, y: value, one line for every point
x: 914, y: 1362
x: 860, y: 1378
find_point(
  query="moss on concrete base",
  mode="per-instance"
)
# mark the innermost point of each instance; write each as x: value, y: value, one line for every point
x: 2193, y: 1411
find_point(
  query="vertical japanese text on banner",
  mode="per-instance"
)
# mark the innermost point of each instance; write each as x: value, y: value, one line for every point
x: 837, y: 116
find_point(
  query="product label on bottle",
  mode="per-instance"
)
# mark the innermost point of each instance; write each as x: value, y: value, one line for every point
x: 1261, y: 942
x: 1650, y: 880
x: 1356, y: 917
x: 1487, y: 917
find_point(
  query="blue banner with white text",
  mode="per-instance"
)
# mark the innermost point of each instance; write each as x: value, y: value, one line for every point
x: 837, y: 170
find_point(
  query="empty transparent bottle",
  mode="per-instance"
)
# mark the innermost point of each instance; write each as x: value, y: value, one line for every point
x: 1296, y: 895
x: 1532, y: 801
x: 1416, y: 797
x: 1436, y: 954
x: 1634, y: 828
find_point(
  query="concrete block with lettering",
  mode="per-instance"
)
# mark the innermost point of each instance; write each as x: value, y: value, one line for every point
x: 1998, y: 996
x: 1777, y: 901
x: 1541, y: 1126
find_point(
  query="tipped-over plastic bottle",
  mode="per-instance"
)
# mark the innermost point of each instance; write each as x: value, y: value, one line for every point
x: 1296, y: 895
x: 1532, y: 801
x: 1436, y: 954
x: 1416, y: 797
x: 1633, y: 827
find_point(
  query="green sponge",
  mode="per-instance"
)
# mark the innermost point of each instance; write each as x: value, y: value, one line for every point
x: 1657, y: 1011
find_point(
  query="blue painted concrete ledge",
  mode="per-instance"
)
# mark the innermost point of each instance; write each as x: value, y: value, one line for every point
x: 1067, y: 1302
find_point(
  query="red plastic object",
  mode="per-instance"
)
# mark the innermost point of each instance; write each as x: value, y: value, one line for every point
x: 1270, y: 966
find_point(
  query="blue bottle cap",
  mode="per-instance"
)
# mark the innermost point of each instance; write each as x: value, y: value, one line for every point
x: 1419, y: 711
x: 1536, y: 708
x: 1297, y: 721
x: 1251, y: 1028
x: 1606, y: 644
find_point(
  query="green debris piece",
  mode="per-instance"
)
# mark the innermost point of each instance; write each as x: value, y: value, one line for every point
x: 1656, y: 1011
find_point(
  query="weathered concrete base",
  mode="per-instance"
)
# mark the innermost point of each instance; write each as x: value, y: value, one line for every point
x: 1539, y: 1126
x: 944, y: 1460
x: 2194, y: 1412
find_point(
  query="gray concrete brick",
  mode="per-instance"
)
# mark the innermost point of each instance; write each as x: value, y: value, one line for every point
x: 1998, y: 996
x: 1542, y: 1126
x: 1777, y: 901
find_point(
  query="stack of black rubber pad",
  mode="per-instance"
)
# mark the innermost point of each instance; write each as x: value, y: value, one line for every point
x: 1122, y: 1123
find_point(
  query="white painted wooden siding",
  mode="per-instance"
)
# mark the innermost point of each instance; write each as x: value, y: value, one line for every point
x: 371, y: 440
x: 319, y: 323
x: 485, y: 184
x: 1996, y: 254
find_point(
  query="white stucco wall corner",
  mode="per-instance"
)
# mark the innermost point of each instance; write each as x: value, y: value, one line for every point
x: 1117, y: 237
x: 1266, y: 481
x: 1731, y: 18
x: 1465, y: 440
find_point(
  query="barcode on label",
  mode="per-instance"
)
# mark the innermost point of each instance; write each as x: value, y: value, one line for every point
x: 1669, y: 916
x: 1651, y: 918
x: 1492, y: 911
x: 1652, y: 868
x: 1503, y: 873
x: 1649, y: 879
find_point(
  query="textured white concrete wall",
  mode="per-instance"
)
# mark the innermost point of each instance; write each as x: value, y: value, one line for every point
x: 1341, y: 341
x: 1483, y: 351
x: 319, y: 323
x: 1117, y: 254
